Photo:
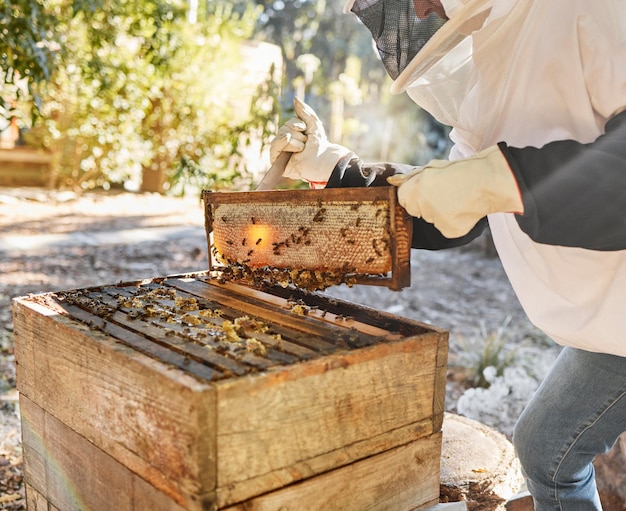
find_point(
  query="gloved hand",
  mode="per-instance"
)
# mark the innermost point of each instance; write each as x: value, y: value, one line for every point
x: 455, y: 195
x: 314, y: 156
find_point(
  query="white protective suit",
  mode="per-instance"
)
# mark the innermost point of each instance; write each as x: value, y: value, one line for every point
x: 542, y: 71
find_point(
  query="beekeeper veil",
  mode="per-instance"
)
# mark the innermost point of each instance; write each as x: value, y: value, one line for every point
x: 429, y: 56
x: 397, y: 31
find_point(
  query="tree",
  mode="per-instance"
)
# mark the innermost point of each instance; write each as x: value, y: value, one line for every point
x: 148, y: 100
x: 28, y: 52
x: 134, y: 87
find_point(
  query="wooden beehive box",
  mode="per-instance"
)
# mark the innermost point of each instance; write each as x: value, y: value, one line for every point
x: 184, y: 393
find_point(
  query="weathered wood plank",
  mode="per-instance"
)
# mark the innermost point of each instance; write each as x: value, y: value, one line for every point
x: 336, y: 309
x: 174, y: 350
x: 76, y: 475
x: 303, y: 470
x: 297, y: 329
x: 321, y: 406
x: 439, y: 395
x: 153, y: 418
x: 142, y: 344
x: 401, y: 479
x: 33, y: 447
x: 378, y: 193
x: 35, y: 501
x: 401, y: 239
x: 283, y: 345
x: 190, y: 340
x: 331, y: 328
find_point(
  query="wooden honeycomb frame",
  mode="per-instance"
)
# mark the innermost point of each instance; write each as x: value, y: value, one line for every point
x: 350, y: 235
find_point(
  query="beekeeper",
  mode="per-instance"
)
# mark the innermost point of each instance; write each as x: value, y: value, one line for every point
x: 535, y: 93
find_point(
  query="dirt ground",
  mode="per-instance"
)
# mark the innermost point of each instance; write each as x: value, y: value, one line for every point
x: 60, y: 241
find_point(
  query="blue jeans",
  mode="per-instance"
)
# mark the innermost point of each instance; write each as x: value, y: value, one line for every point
x: 578, y: 411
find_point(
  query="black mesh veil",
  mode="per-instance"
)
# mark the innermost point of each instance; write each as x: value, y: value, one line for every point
x: 397, y: 31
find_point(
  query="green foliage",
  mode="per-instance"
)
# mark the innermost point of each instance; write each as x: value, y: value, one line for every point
x: 28, y: 54
x: 226, y: 167
x: 125, y: 87
x: 142, y: 89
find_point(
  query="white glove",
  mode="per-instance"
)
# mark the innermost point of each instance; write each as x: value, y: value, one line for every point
x: 455, y: 195
x: 314, y: 157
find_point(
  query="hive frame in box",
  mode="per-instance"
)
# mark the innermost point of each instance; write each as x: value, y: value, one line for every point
x: 363, y: 230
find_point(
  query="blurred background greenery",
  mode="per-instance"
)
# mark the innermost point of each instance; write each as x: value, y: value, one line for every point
x: 173, y: 96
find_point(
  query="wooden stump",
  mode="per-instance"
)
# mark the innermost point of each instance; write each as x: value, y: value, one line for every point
x: 478, y: 465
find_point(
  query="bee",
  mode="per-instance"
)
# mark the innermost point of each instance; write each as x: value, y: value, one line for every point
x: 379, y: 246
x: 259, y: 241
x: 224, y: 219
x: 250, y: 252
x: 319, y: 216
x: 253, y: 220
x: 229, y: 242
x: 345, y: 268
x: 357, y: 223
x: 243, y: 242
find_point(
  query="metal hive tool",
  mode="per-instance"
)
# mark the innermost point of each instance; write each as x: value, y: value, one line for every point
x: 310, y: 238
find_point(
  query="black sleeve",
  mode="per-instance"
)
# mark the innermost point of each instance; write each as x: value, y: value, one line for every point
x: 574, y: 194
x: 351, y: 171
